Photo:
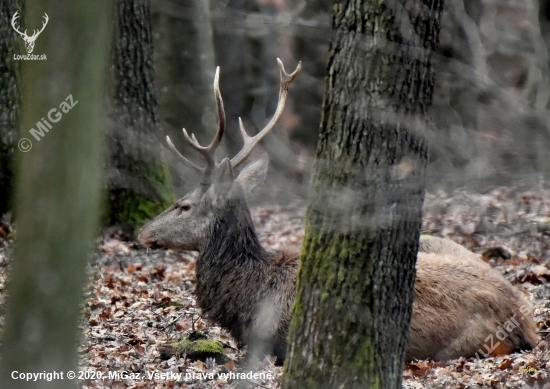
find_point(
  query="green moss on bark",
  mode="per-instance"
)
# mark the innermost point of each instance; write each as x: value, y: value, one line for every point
x: 198, y: 346
x: 139, y: 184
x: 355, y: 284
x: 130, y: 208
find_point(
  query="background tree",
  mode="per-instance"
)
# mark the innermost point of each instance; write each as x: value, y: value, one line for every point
x: 238, y: 52
x: 311, y: 47
x: 138, y: 182
x: 58, y: 191
x: 355, y: 289
x: 185, y: 66
x: 9, y: 98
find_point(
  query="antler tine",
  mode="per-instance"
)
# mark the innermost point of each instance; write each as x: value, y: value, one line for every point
x: 13, y: 19
x: 251, y: 141
x: 220, y: 110
x: 44, y: 23
x: 208, y: 151
x: 185, y: 160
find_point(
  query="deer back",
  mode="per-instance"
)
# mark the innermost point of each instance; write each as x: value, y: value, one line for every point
x: 463, y: 307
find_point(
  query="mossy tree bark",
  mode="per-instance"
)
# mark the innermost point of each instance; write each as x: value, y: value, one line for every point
x: 9, y: 99
x: 138, y: 182
x: 355, y: 289
x: 58, y: 190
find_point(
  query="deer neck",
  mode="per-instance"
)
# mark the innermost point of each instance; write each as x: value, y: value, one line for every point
x: 233, y: 240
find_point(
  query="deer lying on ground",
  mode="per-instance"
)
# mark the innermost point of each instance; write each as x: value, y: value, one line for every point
x: 462, y: 306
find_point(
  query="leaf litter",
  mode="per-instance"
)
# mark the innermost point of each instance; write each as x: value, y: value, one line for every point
x: 139, y: 300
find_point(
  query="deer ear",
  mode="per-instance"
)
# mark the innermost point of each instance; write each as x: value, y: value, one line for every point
x: 253, y: 174
x: 222, y: 178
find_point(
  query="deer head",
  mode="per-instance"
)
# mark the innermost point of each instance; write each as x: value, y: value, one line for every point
x: 29, y: 40
x: 186, y: 224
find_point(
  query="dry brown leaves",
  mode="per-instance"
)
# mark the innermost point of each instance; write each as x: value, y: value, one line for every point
x: 510, y: 229
x: 138, y: 299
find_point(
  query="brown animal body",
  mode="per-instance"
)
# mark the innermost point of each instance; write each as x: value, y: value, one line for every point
x: 243, y: 287
x: 462, y: 306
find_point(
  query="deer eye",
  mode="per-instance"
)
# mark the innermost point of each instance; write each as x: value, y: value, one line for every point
x: 185, y: 207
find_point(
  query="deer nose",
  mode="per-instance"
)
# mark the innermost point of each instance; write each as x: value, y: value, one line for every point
x: 146, y: 237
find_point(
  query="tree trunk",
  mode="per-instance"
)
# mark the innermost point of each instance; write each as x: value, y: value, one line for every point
x: 186, y: 65
x: 9, y: 99
x: 238, y: 51
x: 355, y: 289
x: 139, y: 185
x: 460, y: 68
x: 58, y: 191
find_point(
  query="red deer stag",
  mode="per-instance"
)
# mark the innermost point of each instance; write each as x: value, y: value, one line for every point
x: 462, y: 306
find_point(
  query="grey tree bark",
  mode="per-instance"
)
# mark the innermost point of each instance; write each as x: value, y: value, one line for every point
x: 138, y: 182
x: 238, y: 51
x: 9, y: 99
x: 58, y: 190
x: 460, y: 68
x: 186, y: 64
x: 354, y: 295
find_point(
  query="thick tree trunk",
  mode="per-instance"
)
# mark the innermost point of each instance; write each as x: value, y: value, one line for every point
x: 9, y: 99
x: 58, y: 191
x: 355, y: 290
x: 139, y: 185
x: 238, y: 51
x: 186, y: 65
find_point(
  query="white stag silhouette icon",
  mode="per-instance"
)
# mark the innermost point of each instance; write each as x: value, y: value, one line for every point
x: 29, y: 40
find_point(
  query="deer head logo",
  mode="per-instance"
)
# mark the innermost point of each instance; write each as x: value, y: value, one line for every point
x: 29, y: 40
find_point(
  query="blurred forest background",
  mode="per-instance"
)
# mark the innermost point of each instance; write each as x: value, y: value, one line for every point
x: 490, y: 114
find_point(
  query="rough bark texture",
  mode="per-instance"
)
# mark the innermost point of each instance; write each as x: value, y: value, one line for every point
x: 139, y: 185
x: 355, y: 289
x: 9, y: 99
x: 58, y: 191
x: 238, y: 52
x: 186, y: 65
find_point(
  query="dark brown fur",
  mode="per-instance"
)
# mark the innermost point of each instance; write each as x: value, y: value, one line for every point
x: 246, y: 289
x: 460, y: 301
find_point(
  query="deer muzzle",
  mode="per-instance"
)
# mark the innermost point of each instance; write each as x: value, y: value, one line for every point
x: 148, y: 239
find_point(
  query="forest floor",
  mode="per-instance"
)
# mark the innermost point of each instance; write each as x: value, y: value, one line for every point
x: 139, y: 299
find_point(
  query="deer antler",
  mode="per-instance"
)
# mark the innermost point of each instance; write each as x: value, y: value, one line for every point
x: 35, y: 33
x: 206, y: 152
x: 15, y: 17
x: 249, y: 141
x: 44, y: 23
